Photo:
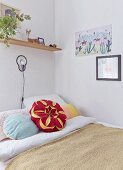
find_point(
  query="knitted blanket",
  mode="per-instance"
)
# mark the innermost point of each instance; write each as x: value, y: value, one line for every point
x: 94, y: 147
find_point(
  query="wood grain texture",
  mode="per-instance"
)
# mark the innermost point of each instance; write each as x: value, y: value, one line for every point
x: 31, y: 45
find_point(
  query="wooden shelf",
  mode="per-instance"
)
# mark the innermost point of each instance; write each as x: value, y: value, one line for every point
x: 32, y: 45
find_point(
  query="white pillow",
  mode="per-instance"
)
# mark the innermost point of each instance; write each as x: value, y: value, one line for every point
x: 54, y: 97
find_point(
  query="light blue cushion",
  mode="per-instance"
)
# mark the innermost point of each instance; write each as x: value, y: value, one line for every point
x: 19, y: 127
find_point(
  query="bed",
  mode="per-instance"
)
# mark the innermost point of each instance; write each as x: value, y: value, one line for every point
x: 87, y: 145
x: 84, y: 144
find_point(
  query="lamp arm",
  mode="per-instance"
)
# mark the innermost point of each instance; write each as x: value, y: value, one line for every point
x: 23, y: 89
x: 21, y: 61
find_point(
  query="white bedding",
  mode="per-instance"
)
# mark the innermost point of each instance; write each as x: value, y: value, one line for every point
x: 54, y: 97
x: 110, y: 125
x: 11, y: 148
x: 3, y: 165
x: 25, y: 144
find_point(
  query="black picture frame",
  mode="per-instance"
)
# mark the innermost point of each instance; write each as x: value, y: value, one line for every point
x: 41, y: 41
x: 101, y: 68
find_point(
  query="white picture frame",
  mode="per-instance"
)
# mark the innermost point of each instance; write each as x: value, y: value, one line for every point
x: 7, y: 10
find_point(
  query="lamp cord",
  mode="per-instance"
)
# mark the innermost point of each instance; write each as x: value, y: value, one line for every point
x: 23, y: 90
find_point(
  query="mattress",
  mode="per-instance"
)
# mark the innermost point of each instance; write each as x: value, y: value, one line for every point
x: 3, y: 165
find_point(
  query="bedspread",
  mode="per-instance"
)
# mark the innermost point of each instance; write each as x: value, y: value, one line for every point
x: 94, y: 147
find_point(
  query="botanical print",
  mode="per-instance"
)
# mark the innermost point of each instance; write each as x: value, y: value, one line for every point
x: 94, y: 41
x: 108, y: 67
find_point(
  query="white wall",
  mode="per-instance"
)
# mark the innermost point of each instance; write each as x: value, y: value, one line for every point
x: 40, y: 69
x: 76, y: 76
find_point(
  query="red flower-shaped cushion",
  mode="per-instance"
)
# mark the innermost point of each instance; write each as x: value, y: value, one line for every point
x: 48, y: 116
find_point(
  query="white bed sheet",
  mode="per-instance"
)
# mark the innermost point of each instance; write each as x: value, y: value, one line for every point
x: 3, y: 165
x: 110, y: 125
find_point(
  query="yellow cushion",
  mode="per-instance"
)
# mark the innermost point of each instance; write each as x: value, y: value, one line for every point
x: 70, y: 111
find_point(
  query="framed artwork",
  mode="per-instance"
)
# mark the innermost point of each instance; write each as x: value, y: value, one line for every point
x: 93, y: 41
x: 108, y: 68
x: 6, y: 10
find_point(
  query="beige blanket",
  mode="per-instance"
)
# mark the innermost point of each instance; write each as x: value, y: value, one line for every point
x: 93, y: 147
